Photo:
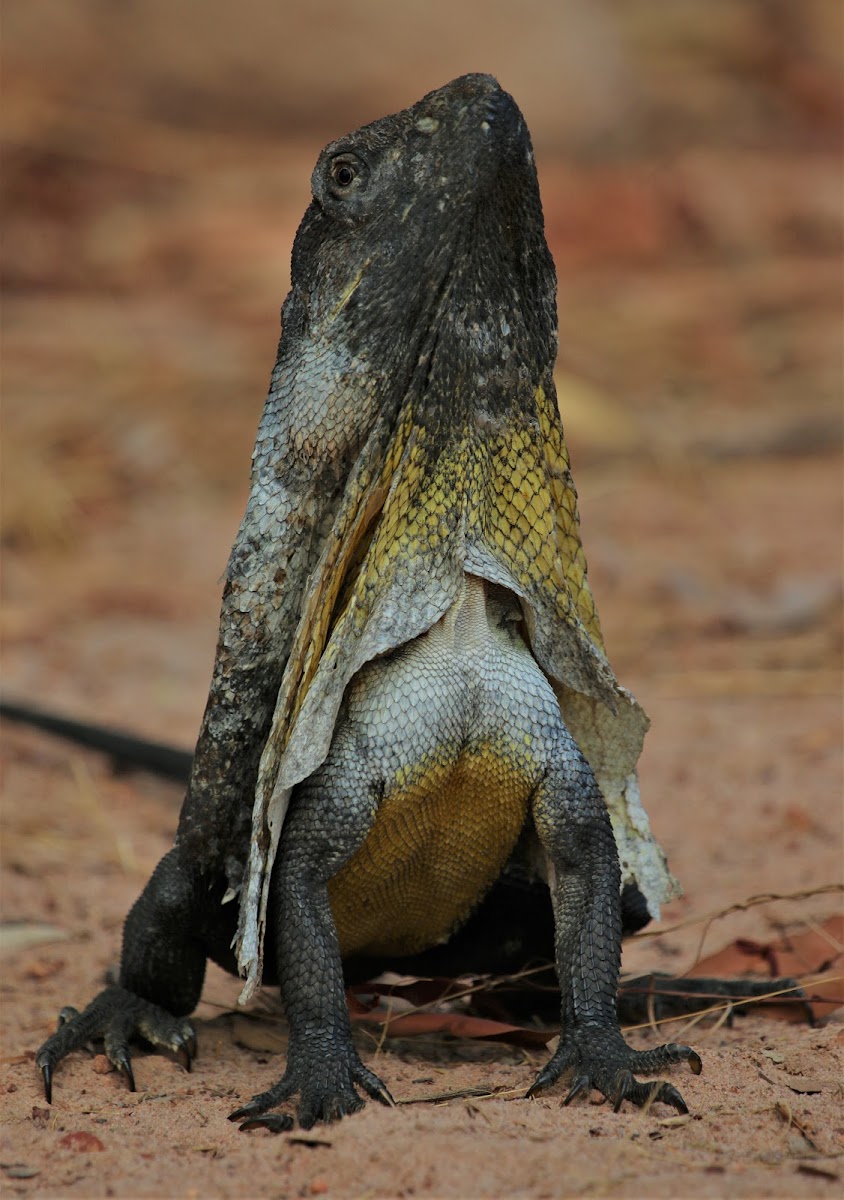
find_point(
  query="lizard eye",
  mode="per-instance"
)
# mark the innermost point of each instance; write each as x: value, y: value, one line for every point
x: 343, y: 174
x: 340, y: 185
x: 347, y: 173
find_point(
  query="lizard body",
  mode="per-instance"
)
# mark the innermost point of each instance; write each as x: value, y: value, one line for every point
x: 446, y: 766
x: 410, y: 685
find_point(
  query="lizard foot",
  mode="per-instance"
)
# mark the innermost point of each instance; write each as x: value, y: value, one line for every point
x: 326, y: 1087
x: 116, y: 1016
x: 600, y: 1058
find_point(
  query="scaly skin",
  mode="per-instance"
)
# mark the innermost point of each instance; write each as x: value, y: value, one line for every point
x: 410, y: 679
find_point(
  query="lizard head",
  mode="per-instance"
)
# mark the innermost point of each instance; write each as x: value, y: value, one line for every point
x: 426, y: 225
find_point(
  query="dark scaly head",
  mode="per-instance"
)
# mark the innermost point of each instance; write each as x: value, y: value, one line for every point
x: 424, y: 240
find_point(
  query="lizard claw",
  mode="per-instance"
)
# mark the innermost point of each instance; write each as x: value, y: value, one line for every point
x: 669, y: 1095
x: 373, y: 1086
x: 245, y: 1110
x: 621, y: 1091
x: 122, y: 1062
x: 47, y: 1076
x: 581, y: 1083
x: 274, y: 1122
x: 543, y: 1080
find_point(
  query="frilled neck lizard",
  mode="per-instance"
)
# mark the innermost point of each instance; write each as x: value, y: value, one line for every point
x: 410, y: 696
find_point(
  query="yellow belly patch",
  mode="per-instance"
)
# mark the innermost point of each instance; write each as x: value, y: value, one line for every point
x: 440, y: 839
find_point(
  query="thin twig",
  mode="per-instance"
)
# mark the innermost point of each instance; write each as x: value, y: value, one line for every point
x: 385, y: 1025
x: 476, y: 1093
x: 825, y: 889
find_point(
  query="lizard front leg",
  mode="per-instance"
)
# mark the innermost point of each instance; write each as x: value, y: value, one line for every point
x: 329, y: 820
x: 161, y: 974
x: 574, y: 828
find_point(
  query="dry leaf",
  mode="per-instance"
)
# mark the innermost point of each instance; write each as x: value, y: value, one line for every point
x: 81, y: 1141
x: 23, y: 935
x: 413, y: 993
x: 803, y: 1084
x: 457, y: 1024
x: 799, y: 955
x: 809, y: 1168
x: 44, y: 968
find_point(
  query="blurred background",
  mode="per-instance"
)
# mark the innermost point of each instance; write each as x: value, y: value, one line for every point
x: 156, y: 163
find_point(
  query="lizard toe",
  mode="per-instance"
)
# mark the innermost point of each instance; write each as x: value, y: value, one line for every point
x: 643, y: 1095
x: 272, y: 1122
x: 579, y: 1085
x: 373, y: 1086
x: 316, y: 1106
x: 263, y: 1101
x: 47, y: 1076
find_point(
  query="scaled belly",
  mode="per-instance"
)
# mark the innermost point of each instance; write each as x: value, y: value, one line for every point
x: 418, y: 874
